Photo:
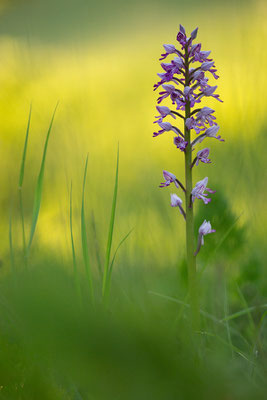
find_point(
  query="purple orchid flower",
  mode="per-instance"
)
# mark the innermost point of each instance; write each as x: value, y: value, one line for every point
x: 169, y: 178
x: 177, y: 202
x: 177, y: 62
x: 180, y: 143
x: 204, y: 116
x: 212, y: 132
x: 204, y: 229
x: 199, y: 189
x: 170, y: 49
x: 201, y: 56
x: 164, y: 111
x: 202, y: 155
x: 169, y: 90
x: 165, y: 127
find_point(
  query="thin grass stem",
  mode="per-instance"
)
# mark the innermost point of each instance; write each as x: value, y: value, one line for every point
x: 111, y: 228
x: 75, y: 270
x: 85, y: 249
x: 39, y: 187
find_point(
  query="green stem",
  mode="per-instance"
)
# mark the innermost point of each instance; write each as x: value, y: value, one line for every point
x: 190, y: 242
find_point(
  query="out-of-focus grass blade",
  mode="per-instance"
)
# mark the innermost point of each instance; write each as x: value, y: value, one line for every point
x: 111, y: 227
x: 23, y: 160
x: 245, y: 304
x: 96, y: 244
x: 233, y: 348
x: 202, y: 312
x: 243, y: 312
x: 227, y: 322
x: 113, y: 259
x: 84, y: 239
x: 75, y: 270
x: 21, y: 178
x: 39, y: 186
x: 12, y: 260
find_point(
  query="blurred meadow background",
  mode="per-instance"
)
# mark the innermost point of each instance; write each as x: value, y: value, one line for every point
x: 99, y: 60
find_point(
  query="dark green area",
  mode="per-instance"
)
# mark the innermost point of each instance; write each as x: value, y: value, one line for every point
x: 60, y: 20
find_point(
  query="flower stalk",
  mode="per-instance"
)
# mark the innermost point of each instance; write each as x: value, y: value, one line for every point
x: 193, y: 89
x: 190, y: 243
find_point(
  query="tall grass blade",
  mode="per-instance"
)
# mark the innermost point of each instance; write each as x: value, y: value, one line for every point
x: 23, y: 160
x: 111, y: 227
x: 245, y: 304
x: 75, y: 270
x: 84, y: 239
x: 21, y: 178
x: 96, y: 244
x: 233, y: 348
x: 113, y: 260
x: 243, y: 312
x: 227, y: 322
x: 39, y: 187
x: 12, y: 259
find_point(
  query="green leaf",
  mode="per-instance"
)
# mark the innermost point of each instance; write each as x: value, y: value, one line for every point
x: 113, y: 259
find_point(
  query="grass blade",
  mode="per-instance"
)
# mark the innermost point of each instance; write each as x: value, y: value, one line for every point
x: 21, y: 178
x: 75, y: 270
x: 111, y: 227
x: 245, y: 304
x: 12, y: 260
x: 96, y: 244
x: 227, y: 322
x: 243, y: 312
x: 84, y: 239
x: 113, y: 259
x: 202, y: 312
x: 233, y: 348
x: 23, y: 160
x: 39, y: 187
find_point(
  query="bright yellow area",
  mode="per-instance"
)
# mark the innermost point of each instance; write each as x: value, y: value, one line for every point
x: 106, y: 97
